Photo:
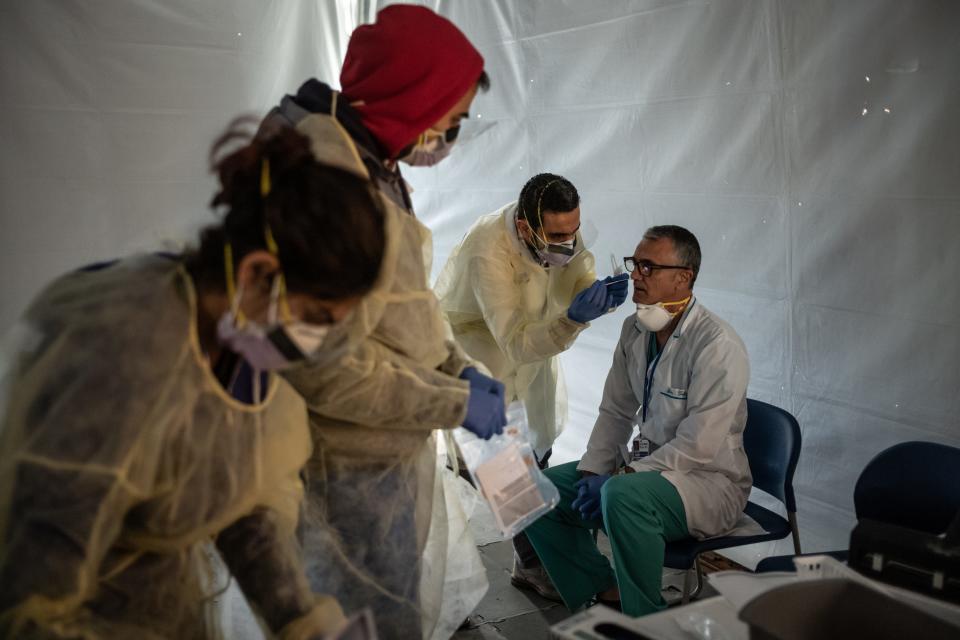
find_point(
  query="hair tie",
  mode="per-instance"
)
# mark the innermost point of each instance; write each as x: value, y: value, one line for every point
x: 265, y: 178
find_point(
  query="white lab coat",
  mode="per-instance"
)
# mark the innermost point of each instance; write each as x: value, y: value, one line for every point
x: 695, y: 417
x: 510, y: 313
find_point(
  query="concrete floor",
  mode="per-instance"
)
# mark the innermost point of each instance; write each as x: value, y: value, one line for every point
x: 505, y: 611
x: 509, y: 613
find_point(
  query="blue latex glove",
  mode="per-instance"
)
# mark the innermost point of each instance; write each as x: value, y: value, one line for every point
x: 491, y: 385
x: 477, y: 379
x: 484, y: 414
x: 589, y: 304
x: 617, y: 289
x: 587, y: 501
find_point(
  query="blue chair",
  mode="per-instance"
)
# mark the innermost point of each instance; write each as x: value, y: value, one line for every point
x: 911, y: 484
x: 771, y: 440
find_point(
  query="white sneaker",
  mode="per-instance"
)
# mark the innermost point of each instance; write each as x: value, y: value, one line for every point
x: 535, y: 579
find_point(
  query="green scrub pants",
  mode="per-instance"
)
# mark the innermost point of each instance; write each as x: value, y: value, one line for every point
x: 641, y: 513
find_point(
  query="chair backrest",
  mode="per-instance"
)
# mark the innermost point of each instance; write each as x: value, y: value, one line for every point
x: 911, y: 484
x: 771, y: 441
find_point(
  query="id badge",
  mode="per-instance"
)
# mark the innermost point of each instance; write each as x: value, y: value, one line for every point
x: 641, y: 448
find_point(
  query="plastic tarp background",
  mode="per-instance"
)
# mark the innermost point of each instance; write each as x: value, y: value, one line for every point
x: 813, y: 147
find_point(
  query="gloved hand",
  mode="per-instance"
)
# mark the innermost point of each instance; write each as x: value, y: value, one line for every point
x: 617, y: 288
x: 479, y: 381
x: 484, y: 414
x: 589, y: 304
x: 587, y: 501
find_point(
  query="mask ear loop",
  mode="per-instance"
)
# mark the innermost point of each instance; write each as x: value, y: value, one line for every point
x: 234, y: 293
x: 274, y: 300
x: 278, y: 294
x: 279, y: 290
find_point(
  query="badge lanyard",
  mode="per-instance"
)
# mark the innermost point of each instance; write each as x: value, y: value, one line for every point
x: 648, y: 377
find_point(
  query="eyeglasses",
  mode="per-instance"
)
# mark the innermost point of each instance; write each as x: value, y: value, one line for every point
x: 646, y: 267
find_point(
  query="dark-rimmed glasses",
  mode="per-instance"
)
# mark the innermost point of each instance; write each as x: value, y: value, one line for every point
x: 646, y: 267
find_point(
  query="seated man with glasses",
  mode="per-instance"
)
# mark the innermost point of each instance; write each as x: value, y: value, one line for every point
x: 680, y: 373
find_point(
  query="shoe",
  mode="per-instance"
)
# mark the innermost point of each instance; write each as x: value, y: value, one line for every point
x: 534, y: 579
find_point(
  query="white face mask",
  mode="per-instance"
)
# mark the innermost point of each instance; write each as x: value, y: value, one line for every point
x: 274, y: 347
x: 308, y: 338
x: 431, y: 147
x: 654, y: 317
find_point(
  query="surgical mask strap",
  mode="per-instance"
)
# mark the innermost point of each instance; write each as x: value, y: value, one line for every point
x: 543, y: 238
x: 539, y: 236
x: 280, y: 283
x: 278, y: 292
x: 233, y: 292
x: 674, y: 304
x: 274, y: 298
x: 422, y: 138
x: 265, y: 185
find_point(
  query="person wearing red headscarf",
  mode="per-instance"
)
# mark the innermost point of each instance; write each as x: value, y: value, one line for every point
x: 410, y: 72
x: 408, y: 80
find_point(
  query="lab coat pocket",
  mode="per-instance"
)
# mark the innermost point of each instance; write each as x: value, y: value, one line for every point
x: 669, y: 407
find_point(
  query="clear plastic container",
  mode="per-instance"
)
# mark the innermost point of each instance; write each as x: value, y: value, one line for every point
x: 505, y: 471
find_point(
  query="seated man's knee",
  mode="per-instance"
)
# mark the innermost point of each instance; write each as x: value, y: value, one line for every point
x: 614, y: 491
x: 562, y: 473
x: 628, y: 490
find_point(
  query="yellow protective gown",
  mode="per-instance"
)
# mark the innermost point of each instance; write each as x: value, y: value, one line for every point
x: 122, y: 458
x: 510, y: 313
x: 370, y: 479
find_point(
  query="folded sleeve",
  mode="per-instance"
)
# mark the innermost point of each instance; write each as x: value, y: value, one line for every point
x: 521, y: 340
x: 374, y: 386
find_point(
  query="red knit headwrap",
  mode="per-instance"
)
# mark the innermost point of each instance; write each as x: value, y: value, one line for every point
x: 407, y: 69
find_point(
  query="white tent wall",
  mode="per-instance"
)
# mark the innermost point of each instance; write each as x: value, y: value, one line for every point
x: 108, y: 110
x: 814, y: 149
x: 811, y: 145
